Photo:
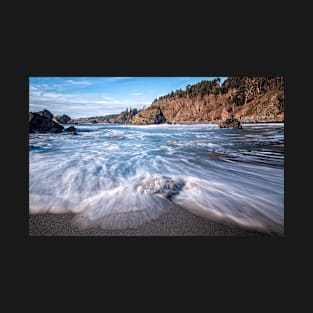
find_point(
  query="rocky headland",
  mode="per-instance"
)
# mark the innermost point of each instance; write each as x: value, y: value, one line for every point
x: 236, y: 101
x: 44, y: 121
x: 248, y: 99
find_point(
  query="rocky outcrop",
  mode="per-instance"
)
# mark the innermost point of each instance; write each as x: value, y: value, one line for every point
x: 228, y: 120
x: 63, y: 119
x: 42, y: 121
x: 152, y: 115
x: 230, y: 123
x: 71, y: 130
x: 209, y: 108
x: 249, y: 99
x: 199, y: 109
x: 161, y: 186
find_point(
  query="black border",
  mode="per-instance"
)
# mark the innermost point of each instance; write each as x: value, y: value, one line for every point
x: 159, y: 54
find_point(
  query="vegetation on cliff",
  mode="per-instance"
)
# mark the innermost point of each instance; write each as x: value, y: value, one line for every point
x: 125, y: 117
x: 244, y: 89
x: 250, y: 99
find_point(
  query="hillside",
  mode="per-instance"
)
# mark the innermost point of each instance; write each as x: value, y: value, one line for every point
x: 250, y: 99
x: 125, y: 117
x: 94, y: 119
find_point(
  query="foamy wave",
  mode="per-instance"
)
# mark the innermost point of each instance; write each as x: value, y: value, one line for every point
x: 123, y: 176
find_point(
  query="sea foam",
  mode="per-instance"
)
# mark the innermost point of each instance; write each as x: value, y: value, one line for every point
x: 119, y: 176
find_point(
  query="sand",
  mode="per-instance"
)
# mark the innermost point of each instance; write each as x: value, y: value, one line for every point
x: 176, y: 222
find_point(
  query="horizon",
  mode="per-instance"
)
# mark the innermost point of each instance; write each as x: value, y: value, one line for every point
x: 81, y: 97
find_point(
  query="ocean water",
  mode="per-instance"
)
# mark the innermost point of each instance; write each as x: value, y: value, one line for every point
x: 120, y: 176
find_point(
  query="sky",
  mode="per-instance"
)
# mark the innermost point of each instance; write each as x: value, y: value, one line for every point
x: 98, y: 96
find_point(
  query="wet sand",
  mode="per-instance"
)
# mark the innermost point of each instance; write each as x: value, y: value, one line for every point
x: 176, y: 222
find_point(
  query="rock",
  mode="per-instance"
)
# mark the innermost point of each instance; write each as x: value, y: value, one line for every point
x: 42, y: 121
x: 161, y: 186
x: 45, y: 113
x: 72, y: 133
x: 56, y: 128
x: 70, y: 129
x: 230, y: 123
x: 150, y: 115
x: 64, y: 119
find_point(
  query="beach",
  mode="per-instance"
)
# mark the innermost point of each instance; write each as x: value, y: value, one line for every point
x: 176, y: 222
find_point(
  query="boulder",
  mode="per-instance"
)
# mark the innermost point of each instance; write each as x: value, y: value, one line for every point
x: 42, y: 122
x: 70, y: 129
x: 45, y: 113
x: 230, y: 123
x: 63, y: 119
x: 161, y: 186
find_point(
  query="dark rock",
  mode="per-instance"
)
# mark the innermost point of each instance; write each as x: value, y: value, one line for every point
x: 56, y: 128
x: 72, y: 133
x: 64, y: 119
x: 42, y: 122
x: 70, y: 129
x: 45, y: 113
x: 230, y: 123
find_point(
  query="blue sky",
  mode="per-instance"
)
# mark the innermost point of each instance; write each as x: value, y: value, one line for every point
x: 97, y: 96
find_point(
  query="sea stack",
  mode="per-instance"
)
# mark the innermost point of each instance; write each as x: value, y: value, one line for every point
x: 230, y: 123
x: 228, y: 120
x: 42, y: 121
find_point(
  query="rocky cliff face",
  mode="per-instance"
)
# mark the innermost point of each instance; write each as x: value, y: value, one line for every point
x: 152, y: 115
x: 265, y: 106
x: 199, y: 109
x: 125, y: 117
x: 247, y: 99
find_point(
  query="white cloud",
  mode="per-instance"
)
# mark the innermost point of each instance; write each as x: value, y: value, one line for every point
x: 137, y: 94
x: 78, y: 82
x: 77, y: 105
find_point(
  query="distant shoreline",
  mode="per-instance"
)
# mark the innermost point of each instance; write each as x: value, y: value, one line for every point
x: 182, y: 123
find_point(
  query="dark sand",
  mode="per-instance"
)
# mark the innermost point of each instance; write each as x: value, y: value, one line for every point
x: 177, y: 222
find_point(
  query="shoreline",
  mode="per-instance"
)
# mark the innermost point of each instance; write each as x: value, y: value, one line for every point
x: 185, y: 123
x: 176, y: 222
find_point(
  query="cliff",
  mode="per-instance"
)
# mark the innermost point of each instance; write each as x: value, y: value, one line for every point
x: 249, y: 99
x: 151, y: 115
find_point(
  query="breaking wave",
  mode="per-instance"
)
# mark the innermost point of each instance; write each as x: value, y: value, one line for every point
x: 120, y: 176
